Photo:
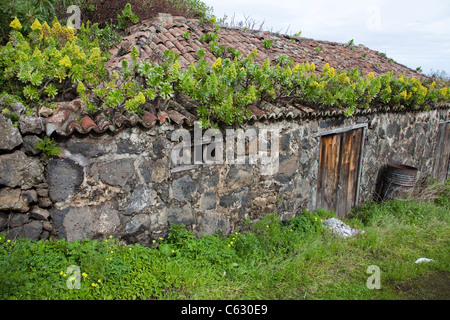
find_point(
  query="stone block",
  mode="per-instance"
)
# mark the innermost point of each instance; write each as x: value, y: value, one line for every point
x: 116, y: 172
x: 64, y: 177
x: 180, y: 215
x: 18, y: 170
x: 183, y: 188
x: 9, y: 135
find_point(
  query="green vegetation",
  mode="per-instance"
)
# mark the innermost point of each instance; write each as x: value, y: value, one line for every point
x: 267, y: 43
x: 270, y: 260
x: 48, y: 63
x: 51, y: 62
x: 48, y: 146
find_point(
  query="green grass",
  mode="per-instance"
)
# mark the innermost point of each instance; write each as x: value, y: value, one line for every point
x: 273, y: 260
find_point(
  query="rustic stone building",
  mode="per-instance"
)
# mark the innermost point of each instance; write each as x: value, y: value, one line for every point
x: 115, y: 176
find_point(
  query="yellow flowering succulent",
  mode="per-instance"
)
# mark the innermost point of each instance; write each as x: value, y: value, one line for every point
x: 36, y: 26
x: 370, y: 76
x: 326, y: 68
x: 331, y: 73
x: 217, y: 65
x: 65, y: 62
x: 15, y: 24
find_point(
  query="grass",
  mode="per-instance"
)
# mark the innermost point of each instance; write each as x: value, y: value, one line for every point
x: 273, y: 260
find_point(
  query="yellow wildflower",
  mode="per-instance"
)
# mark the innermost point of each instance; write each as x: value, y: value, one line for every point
x: 331, y: 73
x: 403, y: 94
x: 370, y: 76
x: 443, y: 92
x: 45, y: 32
x: 217, y: 65
x: 15, y: 24
x: 231, y: 242
x: 84, y: 275
x: 65, y: 62
x: 296, y: 68
x: 312, y: 67
x: 161, y: 239
x: 326, y: 67
x: 36, y: 26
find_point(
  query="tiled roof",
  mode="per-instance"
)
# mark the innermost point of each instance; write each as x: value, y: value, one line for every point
x: 153, y: 37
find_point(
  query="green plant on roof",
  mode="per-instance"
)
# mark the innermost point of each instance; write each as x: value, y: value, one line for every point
x: 318, y: 48
x: 267, y: 43
x: 186, y: 35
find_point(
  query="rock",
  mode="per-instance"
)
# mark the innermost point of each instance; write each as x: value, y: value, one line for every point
x: 39, y: 213
x: 11, y: 199
x: 208, y: 201
x: 126, y: 146
x: 30, y: 124
x: 30, y: 196
x: 42, y: 192
x: 85, y: 147
x: 75, y: 223
x: 210, y: 223
x: 18, y: 220
x: 45, y: 112
x: 44, y: 202
x: 29, y: 143
x: 183, y: 188
x: 337, y: 226
x: 140, y: 222
x: 30, y: 230
x: 64, y: 178
x: 154, y: 171
x: 141, y: 197
x: 116, y: 172
x: 18, y: 170
x: 180, y: 215
x: 9, y: 135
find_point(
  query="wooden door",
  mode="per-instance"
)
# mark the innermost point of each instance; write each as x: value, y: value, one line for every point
x: 339, y: 171
x: 442, y: 155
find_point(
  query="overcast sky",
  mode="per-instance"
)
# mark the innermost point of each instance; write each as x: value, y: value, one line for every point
x: 412, y: 32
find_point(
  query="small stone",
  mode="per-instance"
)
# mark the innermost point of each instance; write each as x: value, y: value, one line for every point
x: 42, y: 192
x: 11, y: 199
x: 47, y: 225
x: 30, y: 124
x: 30, y: 230
x: 39, y: 213
x: 29, y: 145
x: 183, y: 188
x: 180, y: 215
x: 45, y: 202
x: 45, y: 112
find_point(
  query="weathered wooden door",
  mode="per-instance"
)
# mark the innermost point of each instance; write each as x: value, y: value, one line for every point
x: 442, y: 155
x: 339, y: 171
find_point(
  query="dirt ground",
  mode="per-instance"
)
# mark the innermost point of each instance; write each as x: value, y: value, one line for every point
x: 431, y: 286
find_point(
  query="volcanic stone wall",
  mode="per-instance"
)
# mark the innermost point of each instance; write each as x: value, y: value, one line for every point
x: 124, y: 183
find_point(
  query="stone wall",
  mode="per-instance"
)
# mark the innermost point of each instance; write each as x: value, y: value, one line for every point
x: 122, y: 183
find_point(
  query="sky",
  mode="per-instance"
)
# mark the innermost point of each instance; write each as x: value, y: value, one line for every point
x: 415, y: 33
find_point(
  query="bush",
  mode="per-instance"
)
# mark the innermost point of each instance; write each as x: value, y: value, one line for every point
x: 101, y: 11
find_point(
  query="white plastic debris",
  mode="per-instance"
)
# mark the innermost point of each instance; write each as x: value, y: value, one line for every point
x: 337, y: 226
x: 420, y: 260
